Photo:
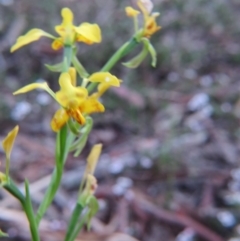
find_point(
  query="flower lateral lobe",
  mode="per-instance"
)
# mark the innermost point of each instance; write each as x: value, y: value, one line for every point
x: 59, y: 119
x: 92, y: 105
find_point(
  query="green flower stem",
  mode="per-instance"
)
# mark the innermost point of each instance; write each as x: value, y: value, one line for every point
x: 63, y: 144
x: 76, y: 213
x: 11, y: 187
x: 124, y: 50
x: 67, y: 57
x: 30, y: 214
x: 78, y: 227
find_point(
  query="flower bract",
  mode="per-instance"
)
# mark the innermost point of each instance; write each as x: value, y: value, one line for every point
x: 8, y: 142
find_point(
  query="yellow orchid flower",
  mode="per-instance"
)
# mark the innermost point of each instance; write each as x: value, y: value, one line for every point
x: 150, y: 26
x: 74, y: 100
x: 75, y: 103
x: 69, y: 33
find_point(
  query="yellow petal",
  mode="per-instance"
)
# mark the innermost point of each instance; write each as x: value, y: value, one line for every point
x: 73, y: 74
x: 131, y: 12
x: 65, y: 81
x: 70, y: 96
x: 9, y: 141
x: 67, y: 16
x: 102, y: 88
x: 105, y: 77
x: 151, y: 27
x: 31, y: 87
x: 59, y: 119
x: 92, y: 158
x: 91, y: 105
x: 29, y: 37
x: 88, y: 33
x: 67, y: 22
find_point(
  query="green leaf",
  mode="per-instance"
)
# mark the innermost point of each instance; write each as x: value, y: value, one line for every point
x: 30, y: 214
x: 28, y: 197
x: 151, y: 50
x: 93, y: 206
x: 80, y: 69
x: 55, y: 68
x: 74, y: 220
x: 137, y: 60
x: 74, y: 127
x: 2, y: 234
x: 80, y: 143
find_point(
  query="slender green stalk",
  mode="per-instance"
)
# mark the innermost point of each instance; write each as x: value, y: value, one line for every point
x: 11, y: 187
x: 32, y: 224
x: 77, y: 229
x: 67, y: 57
x: 121, y: 52
x: 26, y: 205
x: 30, y: 214
x: 63, y: 144
x: 74, y: 220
